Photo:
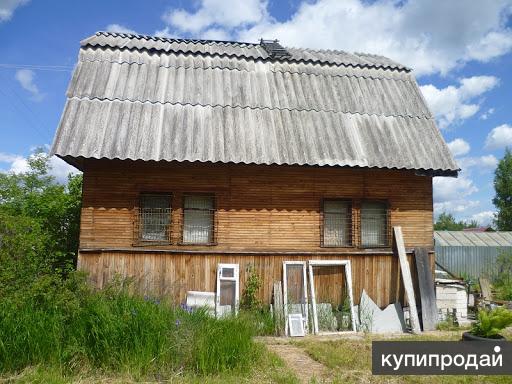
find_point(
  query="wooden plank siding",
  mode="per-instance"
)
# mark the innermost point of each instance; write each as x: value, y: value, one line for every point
x: 163, y: 274
x: 264, y: 215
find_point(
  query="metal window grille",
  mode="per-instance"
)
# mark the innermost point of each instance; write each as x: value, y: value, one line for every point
x: 198, y: 219
x: 337, y: 226
x: 374, y: 224
x: 154, y: 218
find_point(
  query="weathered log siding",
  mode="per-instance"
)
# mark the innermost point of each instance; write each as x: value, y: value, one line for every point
x: 258, y: 207
x: 264, y: 215
x: 165, y: 274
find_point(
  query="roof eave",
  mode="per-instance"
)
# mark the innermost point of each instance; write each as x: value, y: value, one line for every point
x: 79, y: 162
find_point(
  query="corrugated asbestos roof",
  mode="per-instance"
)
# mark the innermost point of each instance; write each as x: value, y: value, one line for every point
x: 148, y: 98
x: 472, y: 239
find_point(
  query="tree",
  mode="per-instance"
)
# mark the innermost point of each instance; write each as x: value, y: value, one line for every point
x: 447, y: 222
x: 503, y: 187
x: 39, y: 222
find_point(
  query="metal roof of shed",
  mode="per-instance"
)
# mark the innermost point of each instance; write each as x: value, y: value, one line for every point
x: 472, y: 239
x: 149, y: 98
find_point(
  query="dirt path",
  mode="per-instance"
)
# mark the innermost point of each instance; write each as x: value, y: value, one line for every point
x: 304, y: 367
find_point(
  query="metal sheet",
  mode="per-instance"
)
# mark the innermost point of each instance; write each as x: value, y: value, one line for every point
x: 478, y: 239
x: 474, y: 261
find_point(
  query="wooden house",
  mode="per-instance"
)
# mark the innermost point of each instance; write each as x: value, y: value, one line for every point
x: 197, y: 153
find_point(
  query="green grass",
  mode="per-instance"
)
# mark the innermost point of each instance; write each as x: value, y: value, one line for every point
x: 268, y: 369
x: 66, y: 328
x: 349, y: 361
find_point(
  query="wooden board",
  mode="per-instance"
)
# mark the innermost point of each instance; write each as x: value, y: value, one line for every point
x: 173, y: 274
x: 485, y: 288
x: 426, y: 284
x: 407, y: 279
x: 278, y: 309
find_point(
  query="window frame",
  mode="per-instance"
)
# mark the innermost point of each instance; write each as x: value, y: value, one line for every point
x: 139, y: 241
x: 322, y: 222
x: 213, y: 240
x: 235, y: 278
x: 387, y: 205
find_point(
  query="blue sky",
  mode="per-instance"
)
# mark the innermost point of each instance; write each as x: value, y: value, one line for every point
x: 461, y: 52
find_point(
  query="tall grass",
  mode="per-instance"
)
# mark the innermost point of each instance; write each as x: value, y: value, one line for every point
x: 67, y: 326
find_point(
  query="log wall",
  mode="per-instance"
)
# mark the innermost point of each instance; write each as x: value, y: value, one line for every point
x: 258, y: 207
x: 265, y: 215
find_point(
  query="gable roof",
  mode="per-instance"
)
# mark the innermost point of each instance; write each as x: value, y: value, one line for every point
x: 149, y: 98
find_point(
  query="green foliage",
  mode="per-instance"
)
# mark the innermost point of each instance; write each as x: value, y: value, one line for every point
x: 449, y: 323
x: 261, y: 319
x: 250, y: 299
x: 503, y: 187
x: 447, y: 222
x: 503, y: 280
x: 50, y: 317
x: 39, y: 221
x: 63, y: 323
x: 491, y: 322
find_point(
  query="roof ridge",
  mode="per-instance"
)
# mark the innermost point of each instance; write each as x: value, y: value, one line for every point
x: 344, y: 58
x: 172, y: 39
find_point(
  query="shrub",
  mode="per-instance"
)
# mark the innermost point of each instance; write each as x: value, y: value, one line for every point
x: 503, y: 281
x: 491, y: 322
x: 250, y: 299
x: 449, y: 323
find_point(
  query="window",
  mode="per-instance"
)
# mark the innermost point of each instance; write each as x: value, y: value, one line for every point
x: 337, y: 226
x: 154, y: 218
x: 374, y: 224
x: 198, y: 215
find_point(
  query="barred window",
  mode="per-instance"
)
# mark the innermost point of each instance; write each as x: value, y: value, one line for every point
x: 198, y: 218
x: 337, y: 226
x: 374, y: 224
x: 154, y: 217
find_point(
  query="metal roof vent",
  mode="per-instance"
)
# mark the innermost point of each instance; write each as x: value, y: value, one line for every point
x: 274, y: 49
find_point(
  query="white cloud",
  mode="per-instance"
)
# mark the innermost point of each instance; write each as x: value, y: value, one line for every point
x: 222, y: 13
x: 483, y: 218
x: 216, y: 34
x: 453, y: 104
x: 119, y: 29
x: 450, y: 189
x: 19, y: 164
x: 165, y: 32
x: 429, y: 36
x: 499, y: 137
x: 26, y: 79
x: 492, y: 45
x: 7, y: 8
x: 459, y: 147
x: 487, y: 114
x: 459, y: 206
x: 483, y: 163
